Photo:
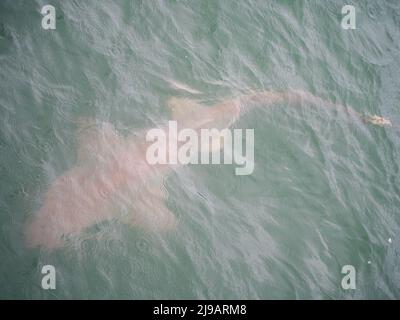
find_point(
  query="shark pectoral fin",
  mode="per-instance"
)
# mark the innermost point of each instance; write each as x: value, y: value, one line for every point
x: 96, y: 138
x: 150, y: 211
x: 182, y: 108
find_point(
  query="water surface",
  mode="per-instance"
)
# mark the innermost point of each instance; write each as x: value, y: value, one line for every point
x: 325, y: 189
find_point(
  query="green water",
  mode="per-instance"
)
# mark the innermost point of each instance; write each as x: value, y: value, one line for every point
x: 325, y: 190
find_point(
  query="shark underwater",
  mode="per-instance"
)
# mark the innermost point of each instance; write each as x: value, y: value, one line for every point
x: 113, y: 169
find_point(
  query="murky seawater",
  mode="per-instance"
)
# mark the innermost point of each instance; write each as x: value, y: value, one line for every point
x: 325, y: 191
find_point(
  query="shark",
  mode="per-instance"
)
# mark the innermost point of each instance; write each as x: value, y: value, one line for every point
x: 112, y: 169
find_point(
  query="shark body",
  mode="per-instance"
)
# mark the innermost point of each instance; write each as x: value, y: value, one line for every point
x: 113, y: 169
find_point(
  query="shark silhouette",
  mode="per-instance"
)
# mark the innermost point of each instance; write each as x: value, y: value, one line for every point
x: 113, y: 170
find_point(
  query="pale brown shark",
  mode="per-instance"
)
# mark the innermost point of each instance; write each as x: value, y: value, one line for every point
x: 112, y: 169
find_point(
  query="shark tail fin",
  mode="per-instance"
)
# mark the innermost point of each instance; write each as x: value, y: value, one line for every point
x: 377, y: 120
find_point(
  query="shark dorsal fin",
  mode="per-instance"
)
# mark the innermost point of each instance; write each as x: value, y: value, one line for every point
x: 182, y: 108
x: 96, y: 139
